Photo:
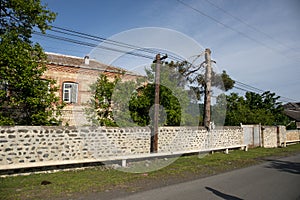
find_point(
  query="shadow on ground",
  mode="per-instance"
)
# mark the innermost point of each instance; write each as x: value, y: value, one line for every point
x: 284, y: 166
x: 222, y: 195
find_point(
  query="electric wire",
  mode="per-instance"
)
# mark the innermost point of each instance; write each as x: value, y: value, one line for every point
x: 90, y: 44
x: 247, y: 24
x: 240, y: 85
x: 120, y: 44
x: 109, y: 41
x: 227, y: 26
x: 248, y: 88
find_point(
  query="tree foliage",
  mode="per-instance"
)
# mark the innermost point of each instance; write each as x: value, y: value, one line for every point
x: 254, y: 109
x: 196, y: 82
x: 131, y: 103
x: 173, y: 99
x: 99, y: 109
x: 25, y: 97
x: 20, y: 17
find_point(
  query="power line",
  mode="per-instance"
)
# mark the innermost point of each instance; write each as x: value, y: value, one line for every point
x: 248, y: 88
x: 98, y: 39
x: 108, y: 41
x: 247, y: 24
x: 90, y: 44
x: 240, y: 85
x: 85, y: 36
x: 227, y: 26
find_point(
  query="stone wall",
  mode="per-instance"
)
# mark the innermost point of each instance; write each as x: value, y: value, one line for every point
x: 275, y: 136
x: 174, y: 139
x: 292, y: 135
x: 269, y: 136
x: 33, y: 145
x: 281, y: 135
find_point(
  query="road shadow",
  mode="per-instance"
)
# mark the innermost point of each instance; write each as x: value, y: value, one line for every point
x: 222, y: 195
x: 284, y: 166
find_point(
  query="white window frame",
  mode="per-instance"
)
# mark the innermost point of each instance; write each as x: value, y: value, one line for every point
x: 4, y: 86
x: 70, y: 92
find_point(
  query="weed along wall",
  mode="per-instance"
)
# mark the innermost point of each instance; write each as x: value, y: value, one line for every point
x: 37, y: 146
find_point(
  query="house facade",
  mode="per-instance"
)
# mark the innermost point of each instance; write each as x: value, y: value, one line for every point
x: 73, y: 76
x: 292, y: 110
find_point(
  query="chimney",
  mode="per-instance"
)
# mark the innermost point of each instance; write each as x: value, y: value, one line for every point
x: 86, y: 60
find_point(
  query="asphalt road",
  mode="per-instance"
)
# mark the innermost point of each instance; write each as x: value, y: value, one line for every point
x: 275, y: 179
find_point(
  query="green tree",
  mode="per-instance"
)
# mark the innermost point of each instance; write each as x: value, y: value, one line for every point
x: 25, y: 97
x: 109, y: 104
x: 197, y: 83
x: 236, y: 111
x: 174, y: 99
x: 255, y: 109
x: 99, y: 107
x: 141, y: 106
x: 130, y: 103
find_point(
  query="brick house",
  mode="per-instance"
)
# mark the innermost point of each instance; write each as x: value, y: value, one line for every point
x: 73, y: 76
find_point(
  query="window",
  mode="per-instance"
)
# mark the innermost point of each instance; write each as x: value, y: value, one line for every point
x: 70, y: 92
x: 4, y: 87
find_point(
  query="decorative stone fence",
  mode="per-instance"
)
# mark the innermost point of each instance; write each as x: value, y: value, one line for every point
x: 25, y: 146
x: 173, y: 139
x: 269, y: 137
x: 276, y: 136
x: 37, y: 146
x: 293, y: 135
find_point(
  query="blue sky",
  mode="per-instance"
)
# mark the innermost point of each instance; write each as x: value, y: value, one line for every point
x: 262, y: 51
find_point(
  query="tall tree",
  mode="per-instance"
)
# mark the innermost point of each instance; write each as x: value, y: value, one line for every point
x: 130, y: 103
x: 25, y: 97
x: 99, y: 109
x: 255, y: 109
x: 197, y: 83
x: 174, y: 98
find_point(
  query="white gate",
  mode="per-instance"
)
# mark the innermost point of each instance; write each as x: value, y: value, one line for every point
x: 252, y: 135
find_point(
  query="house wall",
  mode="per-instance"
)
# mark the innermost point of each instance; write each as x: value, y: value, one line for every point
x: 73, y: 114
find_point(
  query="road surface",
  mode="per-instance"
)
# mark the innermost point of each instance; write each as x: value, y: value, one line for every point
x: 275, y: 179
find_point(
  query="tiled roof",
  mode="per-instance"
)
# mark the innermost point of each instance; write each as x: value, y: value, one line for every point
x: 72, y: 61
x: 294, y: 114
x: 292, y: 110
x: 292, y: 106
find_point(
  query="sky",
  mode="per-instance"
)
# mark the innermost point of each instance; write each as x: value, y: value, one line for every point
x: 257, y: 42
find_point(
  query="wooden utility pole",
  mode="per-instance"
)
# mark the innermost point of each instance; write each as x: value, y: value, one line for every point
x: 207, y: 98
x: 157, y: 62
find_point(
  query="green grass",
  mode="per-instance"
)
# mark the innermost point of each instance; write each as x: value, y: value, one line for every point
x: 97, y: 179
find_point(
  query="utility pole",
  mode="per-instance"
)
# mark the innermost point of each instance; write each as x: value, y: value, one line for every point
x: 207, y: 98
x: 157, y: 62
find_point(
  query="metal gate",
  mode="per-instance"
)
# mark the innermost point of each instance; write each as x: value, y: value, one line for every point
x: 252, y: 135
